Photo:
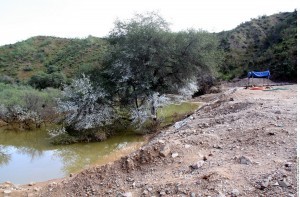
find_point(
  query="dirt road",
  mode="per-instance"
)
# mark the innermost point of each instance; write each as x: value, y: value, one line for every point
x: 241, y: 143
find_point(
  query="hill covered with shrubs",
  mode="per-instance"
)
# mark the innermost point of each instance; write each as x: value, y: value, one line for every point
x: 267, y: 42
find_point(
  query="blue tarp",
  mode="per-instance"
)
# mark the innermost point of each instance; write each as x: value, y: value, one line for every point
x: 263, y: 74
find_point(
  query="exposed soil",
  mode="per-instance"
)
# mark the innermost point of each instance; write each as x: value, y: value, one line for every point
x: 241, y: 143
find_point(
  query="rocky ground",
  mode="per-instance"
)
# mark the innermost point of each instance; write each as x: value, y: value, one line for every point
x: 240, y: 143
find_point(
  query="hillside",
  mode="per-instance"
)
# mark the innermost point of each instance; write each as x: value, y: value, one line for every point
x: 268, y: 42
x: 46, y: 55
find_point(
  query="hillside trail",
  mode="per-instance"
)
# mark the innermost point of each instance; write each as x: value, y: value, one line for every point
x: 240, y: 143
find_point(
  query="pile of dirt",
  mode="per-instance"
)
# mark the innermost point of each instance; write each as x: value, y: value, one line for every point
x: 240, y: 143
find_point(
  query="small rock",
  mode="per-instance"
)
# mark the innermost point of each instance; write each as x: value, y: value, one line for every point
x: 277, y: 112
x: 165, y: 151
x: 31, y: 184
x: 198, y: 164
x: 127, y: 194
x: 265, y: 183
x: 149, y: 189
x: 145, y: 192
x: 161, y: 141
x: 288, y: 164
x: 214, y: 89
x: 231, y: 99
x: 235, y: 192
x: 244, y: 160
x: 7, y: 192
x: 221, y: 195
x: 283, y: 183
x: 162, y: 193
x: 71, y: 174
x: 187, y: 146
x: 36, y: 189
x: 180, y: 124
x: 174, y: 155
x: 193, y: 194
x: 217, y: 146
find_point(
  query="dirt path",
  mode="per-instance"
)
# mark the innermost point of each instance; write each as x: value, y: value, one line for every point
x: 243, y: 143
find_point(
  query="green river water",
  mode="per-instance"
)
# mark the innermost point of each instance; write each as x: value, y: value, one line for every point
x: 27, y: 156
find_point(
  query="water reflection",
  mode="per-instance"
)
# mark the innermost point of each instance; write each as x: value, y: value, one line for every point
x: 28, y: 156
x: 4, y: 157
x: 31, y: 152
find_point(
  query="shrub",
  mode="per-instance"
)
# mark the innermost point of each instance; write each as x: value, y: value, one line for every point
x: 25, y: 106
x: 27, y: 68
x: 6, y: 79
x: 43, y: 80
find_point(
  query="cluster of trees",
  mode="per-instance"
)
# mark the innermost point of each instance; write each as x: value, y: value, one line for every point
x: 144, y: 63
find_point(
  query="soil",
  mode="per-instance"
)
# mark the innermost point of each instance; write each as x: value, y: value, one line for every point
x: 241, y: 142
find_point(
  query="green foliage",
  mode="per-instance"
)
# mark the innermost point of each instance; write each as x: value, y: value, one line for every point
x: 27, y: 68
x: 24, y: 105
x: 6, y: 79
x: 15, y: 94
x: 63, y: 139
x: 147, y: 57
x: 269, y: 42
x: 50, y: 54
x: 43, y: 80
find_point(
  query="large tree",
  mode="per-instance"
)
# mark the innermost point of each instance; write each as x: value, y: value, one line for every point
x: 147, y: 58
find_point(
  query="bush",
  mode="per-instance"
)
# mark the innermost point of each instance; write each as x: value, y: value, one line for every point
x: 27, y: 68
x: 63, y: 139
x: 25, y: 106
x: 43, y: 80
x: 6, y: 79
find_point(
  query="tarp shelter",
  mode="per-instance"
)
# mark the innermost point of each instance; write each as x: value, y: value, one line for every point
x: 264, y: 74
x: 253, y: 74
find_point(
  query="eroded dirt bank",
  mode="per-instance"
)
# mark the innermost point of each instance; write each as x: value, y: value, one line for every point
x: 243, y: 143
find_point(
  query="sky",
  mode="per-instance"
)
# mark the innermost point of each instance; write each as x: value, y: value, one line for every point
x: 22, y: 19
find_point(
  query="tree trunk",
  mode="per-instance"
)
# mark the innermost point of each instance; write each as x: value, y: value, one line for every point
x: 153, y: 111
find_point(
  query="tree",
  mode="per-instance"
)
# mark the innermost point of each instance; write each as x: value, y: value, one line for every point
x: 148, y: 59
x: 84, y: 106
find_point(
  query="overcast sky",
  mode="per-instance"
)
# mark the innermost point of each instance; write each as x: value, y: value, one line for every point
x: 22, y: 19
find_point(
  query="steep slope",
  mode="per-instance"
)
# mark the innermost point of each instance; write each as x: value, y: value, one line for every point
x: 268, y: 42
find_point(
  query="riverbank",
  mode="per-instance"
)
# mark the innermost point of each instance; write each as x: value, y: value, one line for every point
x: 242, y: 143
